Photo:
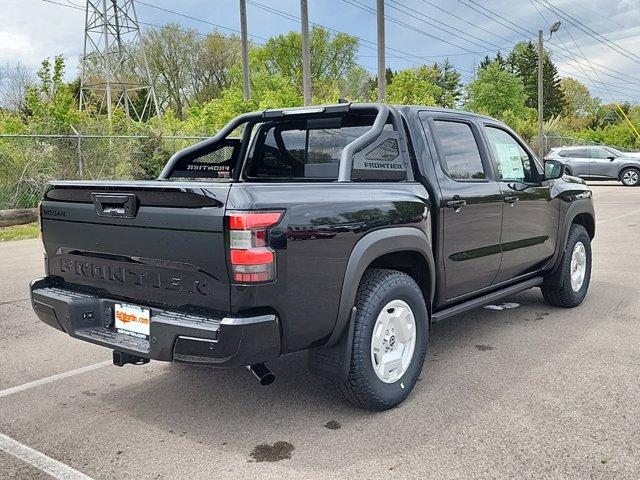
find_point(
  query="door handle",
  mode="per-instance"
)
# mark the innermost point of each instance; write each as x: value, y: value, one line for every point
x: 511, y: 199
x: 456, y: 204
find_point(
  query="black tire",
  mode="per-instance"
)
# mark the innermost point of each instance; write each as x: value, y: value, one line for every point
x: 558, y: 291
x: 630, y: 177
x: 363, y: 387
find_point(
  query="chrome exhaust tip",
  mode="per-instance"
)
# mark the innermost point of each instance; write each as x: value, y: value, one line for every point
x: 262, y: 373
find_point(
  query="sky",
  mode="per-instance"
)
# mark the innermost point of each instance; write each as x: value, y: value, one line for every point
x: 461, y: 30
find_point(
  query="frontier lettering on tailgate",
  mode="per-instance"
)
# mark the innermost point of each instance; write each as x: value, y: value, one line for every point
x: 119, y: 273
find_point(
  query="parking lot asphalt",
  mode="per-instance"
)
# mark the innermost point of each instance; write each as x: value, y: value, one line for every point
x: 527, y: 392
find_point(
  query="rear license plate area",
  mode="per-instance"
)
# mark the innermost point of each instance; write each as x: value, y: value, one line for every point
x: 132, y: 320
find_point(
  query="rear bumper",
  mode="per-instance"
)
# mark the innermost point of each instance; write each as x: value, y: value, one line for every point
x: 174, y: 336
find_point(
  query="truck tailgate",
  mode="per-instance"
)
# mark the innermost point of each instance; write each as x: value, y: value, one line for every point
x: 149, y: 242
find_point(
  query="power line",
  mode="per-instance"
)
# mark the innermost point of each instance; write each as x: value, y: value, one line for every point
x: 445, y: 27
x: 496, y: 17
x: 458, y: 17
x: 604, y: 85
x: 365, y: 43
x: 191, y: 31
x: 368, y: 9
x: 589, y: 31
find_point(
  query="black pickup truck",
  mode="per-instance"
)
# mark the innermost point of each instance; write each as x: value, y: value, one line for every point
x: 344, y: 230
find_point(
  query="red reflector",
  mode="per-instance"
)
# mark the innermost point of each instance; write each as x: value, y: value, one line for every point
x: 254, y: 256
x: 252, y: 277
x: 249, y: 220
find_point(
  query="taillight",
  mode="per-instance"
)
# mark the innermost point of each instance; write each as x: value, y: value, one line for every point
x: 252, y: 260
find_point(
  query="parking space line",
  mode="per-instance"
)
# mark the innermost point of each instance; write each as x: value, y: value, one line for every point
x: 39, y: 460
x: 619, y: 216
x: 53, y: 378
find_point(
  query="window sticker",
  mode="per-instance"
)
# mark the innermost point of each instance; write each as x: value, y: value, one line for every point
x: 509, y: 161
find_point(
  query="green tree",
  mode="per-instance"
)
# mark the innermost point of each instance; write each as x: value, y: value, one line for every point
x: 486, y: 61
x: 448, y: 79
x: 497, y: 93
x: 51, y: 102
x: 189, y: 68
x: 523, y: 62
x: 578, y: 99
x: 331, y: 58
x: 415, y: 86
x: 580, y: 108
x: 358, y: 85
x: 171, y: 54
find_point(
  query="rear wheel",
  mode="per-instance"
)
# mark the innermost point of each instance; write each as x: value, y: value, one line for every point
x: 630, y: 177
x: 390, y: 338
x: 570, y: 289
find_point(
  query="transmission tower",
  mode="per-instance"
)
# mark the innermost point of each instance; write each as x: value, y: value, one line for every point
x: 115, y: 72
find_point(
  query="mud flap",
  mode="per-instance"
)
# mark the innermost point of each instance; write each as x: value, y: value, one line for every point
x: 334, y: 362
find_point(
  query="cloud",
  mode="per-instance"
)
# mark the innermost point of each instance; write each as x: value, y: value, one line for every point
x: 31, y: 30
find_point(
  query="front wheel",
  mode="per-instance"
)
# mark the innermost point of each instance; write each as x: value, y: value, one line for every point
x: 390, y: 338
x: 630, y: 177
x: 570, y: 289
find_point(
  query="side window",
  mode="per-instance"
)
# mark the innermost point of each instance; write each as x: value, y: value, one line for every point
x: 600, y: 153
x: 514, y: 163
x: 462, y: 159
x: 579, y: 153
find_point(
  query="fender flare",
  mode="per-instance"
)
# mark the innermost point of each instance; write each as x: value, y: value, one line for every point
x: 626, y: 166
x: 575, y: 208
x: 332, y: 360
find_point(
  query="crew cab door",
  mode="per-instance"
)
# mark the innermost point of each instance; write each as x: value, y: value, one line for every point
x: 578, y: 161
x: 470, y: 211
x: 603, y: 163
x: 530, y: 216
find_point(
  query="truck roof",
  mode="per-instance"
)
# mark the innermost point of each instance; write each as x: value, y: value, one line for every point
x: 344, y: 107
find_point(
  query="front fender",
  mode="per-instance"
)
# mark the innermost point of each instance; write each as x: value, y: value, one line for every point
x: 576, y: 203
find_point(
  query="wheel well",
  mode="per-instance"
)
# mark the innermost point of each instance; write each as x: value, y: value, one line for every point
x: 629, y: 167
x: 412, y: 263
x: 587, y: 222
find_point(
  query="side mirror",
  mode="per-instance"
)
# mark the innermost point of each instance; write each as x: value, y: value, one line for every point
x: 553, y: 169
x: 611, y: 157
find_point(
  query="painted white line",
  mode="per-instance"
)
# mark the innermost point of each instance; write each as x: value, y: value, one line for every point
x: 53, y: 378
x: 39, y: 460
x: 619, y: 216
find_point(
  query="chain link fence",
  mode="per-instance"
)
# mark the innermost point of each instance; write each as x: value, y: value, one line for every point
x: 29, y: 162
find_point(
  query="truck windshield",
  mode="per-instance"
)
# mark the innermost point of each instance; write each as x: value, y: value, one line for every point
x: 303, y: 149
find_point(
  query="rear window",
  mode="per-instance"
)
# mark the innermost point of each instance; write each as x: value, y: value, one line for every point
x: 575, y: 153
x: 462, y: 159
x: 308, y: 149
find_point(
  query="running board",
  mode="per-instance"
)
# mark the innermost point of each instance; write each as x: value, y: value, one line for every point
x: 483, y: 300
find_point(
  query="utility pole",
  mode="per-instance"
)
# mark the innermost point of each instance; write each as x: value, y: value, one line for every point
x: 245, y: 51
x: 382, y: 70
x: 306, y: 66
x: 541, y: 140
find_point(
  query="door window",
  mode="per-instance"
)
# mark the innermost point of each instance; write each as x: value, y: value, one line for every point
x: 462, y: 159
x: 514, y: 163
x: 600, y: 153
x: 576, y: 153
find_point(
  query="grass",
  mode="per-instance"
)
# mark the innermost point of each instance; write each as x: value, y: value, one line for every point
x: 19, y: 232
